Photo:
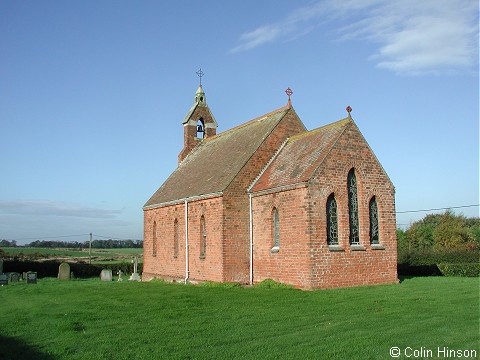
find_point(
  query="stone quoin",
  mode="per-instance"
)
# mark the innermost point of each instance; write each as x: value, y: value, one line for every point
x: 270, y: 200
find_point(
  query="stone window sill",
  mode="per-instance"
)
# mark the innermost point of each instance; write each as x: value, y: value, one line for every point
x: 335, y: 248
x: 377, y: 247
x: 274, y: 249
x: 357, y: 247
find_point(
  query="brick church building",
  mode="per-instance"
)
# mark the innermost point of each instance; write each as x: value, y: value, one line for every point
x: 269, y: 199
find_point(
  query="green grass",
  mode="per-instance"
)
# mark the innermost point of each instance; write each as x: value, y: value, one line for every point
x: 99, y: 256
x: 90, y: 319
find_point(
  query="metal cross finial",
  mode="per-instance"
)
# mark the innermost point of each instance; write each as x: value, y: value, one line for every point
x: 200, y: 74
x: 349, y: 110
x: 289, y: 92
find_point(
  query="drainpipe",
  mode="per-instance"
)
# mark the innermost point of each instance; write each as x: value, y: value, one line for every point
x: 186, y: 240
x: 251, y: 238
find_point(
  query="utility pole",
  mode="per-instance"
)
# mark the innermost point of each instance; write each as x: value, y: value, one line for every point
x: 90, y: 250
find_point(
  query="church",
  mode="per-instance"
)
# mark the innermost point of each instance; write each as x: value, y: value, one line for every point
x: 269, y: 199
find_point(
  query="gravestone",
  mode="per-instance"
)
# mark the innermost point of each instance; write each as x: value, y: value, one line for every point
x: 135, y: 276
x: 64, y: 271
x: 31, y: 277
x: 3, y: 279
x: 106, y: 275
x: 1, y: 266
x: 13, y: 277
x: 120, y: 275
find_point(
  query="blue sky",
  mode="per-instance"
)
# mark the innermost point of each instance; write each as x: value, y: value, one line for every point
x: 93, y: 93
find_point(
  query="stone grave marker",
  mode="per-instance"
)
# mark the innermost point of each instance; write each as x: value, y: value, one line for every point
x: 64, y: 271
x: 135, y: 276
x: 31, y: 277
x: 106, y: 275
x: 3, y: 279
x: 13, y: 277
x: 120, y: 275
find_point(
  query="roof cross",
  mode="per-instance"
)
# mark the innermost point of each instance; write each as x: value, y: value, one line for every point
x: 289, y: 92
x: 349, y: 110
x: 200, y: 74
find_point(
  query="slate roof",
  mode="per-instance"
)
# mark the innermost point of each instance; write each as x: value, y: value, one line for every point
x: 300, y: 157
x: 215, y: 162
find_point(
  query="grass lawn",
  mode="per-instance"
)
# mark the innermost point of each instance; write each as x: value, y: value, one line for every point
x: 90, y: 319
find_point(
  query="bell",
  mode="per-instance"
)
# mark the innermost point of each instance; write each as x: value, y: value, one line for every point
x: 200, y: 128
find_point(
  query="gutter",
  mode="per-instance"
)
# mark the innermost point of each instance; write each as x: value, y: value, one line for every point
x: 251, y: 237
x: 186, y: 241
x: 178, y: 201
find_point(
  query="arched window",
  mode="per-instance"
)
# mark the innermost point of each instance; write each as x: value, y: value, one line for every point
x: 275, y: 228
x: 332, y: 221
x: 373, y: 214
x: 175, y: 238
x: 200, y: 128
x: 353, y: 208
x: 203, y: 237
x: 154, y: 241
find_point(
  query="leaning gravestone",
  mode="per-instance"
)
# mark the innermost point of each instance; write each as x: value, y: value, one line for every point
x: 31, y: 277
x: 106, y: 275
x: 64, y: 271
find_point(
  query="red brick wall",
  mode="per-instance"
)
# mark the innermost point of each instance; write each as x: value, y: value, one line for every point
x: 291, y: 264
x: 165, y: 265
x: 236, y: 203
x: 348, y: 267
x: 305, y: 259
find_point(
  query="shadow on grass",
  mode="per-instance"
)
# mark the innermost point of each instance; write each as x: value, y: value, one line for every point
x: 15, y: 349
x: 409, y: 271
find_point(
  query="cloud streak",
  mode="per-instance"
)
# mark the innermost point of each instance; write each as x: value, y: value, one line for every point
x: 411, y: 36
x: 55, y: 208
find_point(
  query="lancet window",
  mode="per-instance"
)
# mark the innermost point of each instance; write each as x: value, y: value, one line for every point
x: 332, y: 221
x: 353, y: 208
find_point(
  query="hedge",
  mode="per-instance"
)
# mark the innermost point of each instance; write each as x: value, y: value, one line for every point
x: 431, y: 257
x: 468, y: 270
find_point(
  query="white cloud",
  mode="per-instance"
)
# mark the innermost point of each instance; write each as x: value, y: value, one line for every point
x: 55, y: 208
x: 413, y: 37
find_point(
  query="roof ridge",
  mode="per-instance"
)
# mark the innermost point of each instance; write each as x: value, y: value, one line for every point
x: 340, y: 122
x: 249, y: 122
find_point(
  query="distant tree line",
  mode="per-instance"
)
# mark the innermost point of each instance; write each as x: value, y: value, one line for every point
x: 96, y: 244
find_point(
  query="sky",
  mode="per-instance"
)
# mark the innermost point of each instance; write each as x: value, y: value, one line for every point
x: 93, y: 94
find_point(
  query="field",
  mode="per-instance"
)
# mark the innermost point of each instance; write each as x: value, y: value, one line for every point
x: 90, y: 319
x: 67, y: 254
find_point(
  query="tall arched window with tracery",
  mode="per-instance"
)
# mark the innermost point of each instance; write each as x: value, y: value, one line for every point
x: 373, y: 215
x: 332, y: 221
x: 353, y: 208
x: 175, y: 238
x: 154, y: 239
x: 203, y: 237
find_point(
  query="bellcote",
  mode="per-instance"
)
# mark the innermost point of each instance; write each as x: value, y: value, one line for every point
x: 198, y: 124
